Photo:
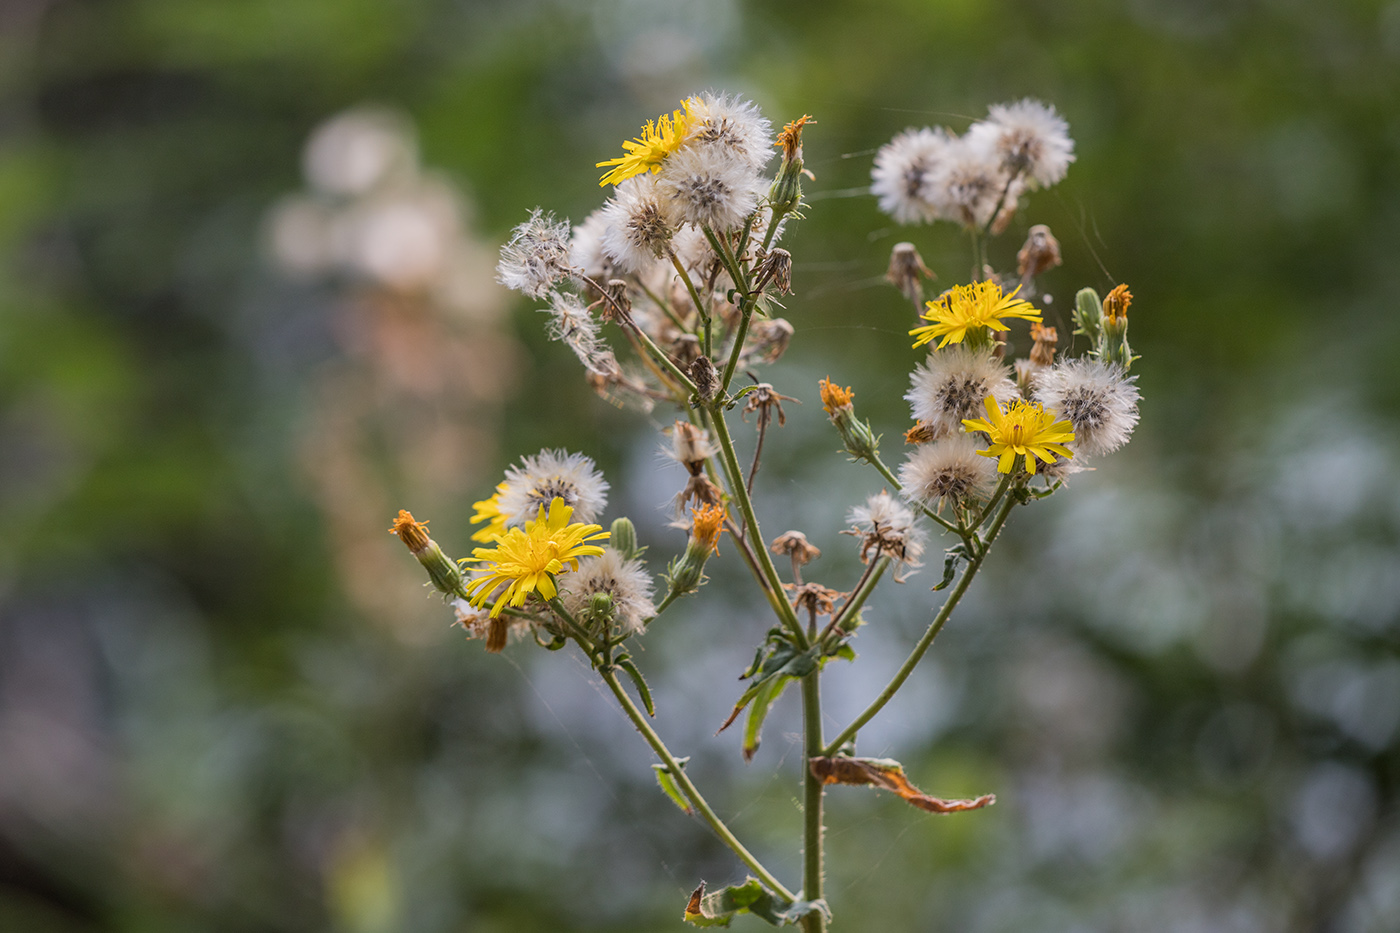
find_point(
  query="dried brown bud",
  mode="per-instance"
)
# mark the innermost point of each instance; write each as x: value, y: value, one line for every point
x: 764, y: 399
x: 924, y: 433
x: 1040, y: 253
x: 769, y: 339
x: 702, y: 373
x: 815, y: 598
x: 906, y: 269
x: 795, y: 544
x: 776, y: 267
x: 1043, y: 353
x: 691, y: 446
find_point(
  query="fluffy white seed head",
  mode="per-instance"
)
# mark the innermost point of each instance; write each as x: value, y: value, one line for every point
x: 550, y: 473
x: 1028, y: 137
x: 626, y: 581
x: 536, y: 256
x: 637, y: 224
x: 586, y: 251
x: 732, y: 126
x: 970, y: 183
x: 886, y: 528
x: 709, y: 187
x: 572, y: 324
x: 1097, y: 398
x: 948, y: 470
x: 902, y: 171
x: 952, y: 384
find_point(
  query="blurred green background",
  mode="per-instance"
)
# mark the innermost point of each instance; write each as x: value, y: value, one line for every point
x: 226, y: 703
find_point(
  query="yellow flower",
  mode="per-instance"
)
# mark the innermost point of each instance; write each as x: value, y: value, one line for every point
x: 528, y: 560
x: 1025, y: 430
x: 834, y: 397
x: 705, y: 524
x: 489, y: 510
x: 646, y: 152
x: 966, y: 306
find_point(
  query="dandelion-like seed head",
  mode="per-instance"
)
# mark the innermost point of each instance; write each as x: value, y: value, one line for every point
x: 573, y: 325
x: 1028, y: 138
x: 527, y: 560
x: 904, y: 168
x: 971, y: 186
x: 887, y: 529
x: 636, y: 225
x: 979, y: 307
x: 1098, y: 399
x: 952, y: 383
x: 536, y: 256
x: 1024, y: 430
x: 690, y: 445
x: 731, y: 125
x: 708, y: 187
x: 625, y: 581
x: 948, y: 471
x: 586, y: 252
x: 646, y: 153
x: 548, y: 475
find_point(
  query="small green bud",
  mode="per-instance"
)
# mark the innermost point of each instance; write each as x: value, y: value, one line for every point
x: 623, y: 538
x: 786, y: 192
x: 600, y: 605
x: 1088, y: 314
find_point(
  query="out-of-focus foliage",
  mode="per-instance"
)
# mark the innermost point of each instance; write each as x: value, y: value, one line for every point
x: 225, y: 703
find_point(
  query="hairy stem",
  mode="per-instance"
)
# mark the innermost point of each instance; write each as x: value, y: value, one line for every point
x: 706, y: 812
x: 866, y: 585
x: 934, y: 628
x: 695, y: 299
x: 812, y: 792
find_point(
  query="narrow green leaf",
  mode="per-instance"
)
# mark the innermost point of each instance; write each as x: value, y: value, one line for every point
x: 767, y: 696
x: 717, y: 909
x: 626, y: 664
x: 669, y: 786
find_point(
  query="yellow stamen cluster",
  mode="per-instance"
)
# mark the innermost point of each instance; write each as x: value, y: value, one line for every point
x: 980, y: 305
x: 834, y: 397
x: 527, y: 560
x: 791, y: 138
x: 1024, y: 430
x: 489, y: 511
x: 706, y: 521
x: 1115, y: 306
x: 646, y: 152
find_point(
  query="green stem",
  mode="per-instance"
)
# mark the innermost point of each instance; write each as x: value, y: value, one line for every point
x: 868, y: 581
x: 664, y: 305
x: 934, y: 628
x: 664, y: 360
x: 813, y: 790
x: 706, y: 812
x: 741, y: 495
x: 992, y: 502
x: 695, y: 299
x: 740, y: 333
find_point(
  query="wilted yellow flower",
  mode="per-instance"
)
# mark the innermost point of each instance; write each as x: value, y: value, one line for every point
x: 967, y: 306
x: 1025, y: 429
x: 834, y: 397
x: 528, y: 560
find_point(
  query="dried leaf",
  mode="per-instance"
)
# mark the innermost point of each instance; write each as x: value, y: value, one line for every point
x: 889, y: 775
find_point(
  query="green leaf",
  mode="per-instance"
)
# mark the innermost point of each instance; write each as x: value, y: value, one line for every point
x: 719, y: 908
x: 758, y: 711
x: 785, y: 660
x: 669, y: 786
x: 625, y: 662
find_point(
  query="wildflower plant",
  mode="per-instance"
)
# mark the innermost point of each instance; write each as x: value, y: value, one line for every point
x: 669, y: 290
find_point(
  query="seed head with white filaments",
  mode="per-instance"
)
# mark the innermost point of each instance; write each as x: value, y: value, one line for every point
x: 731, y: 125
x: 947, y: 471
x: 971, y: 183
x: 887, y: 529
x: 903, y: 168
x: 626, y: 581
x: 1028, y: 138
x: 536, y: 256
x: 1097, y: 398
x: 550, y: 473
x: 952, y: 383
x: 709, y: 187
x: 638, y: 226
x: 586, y: 252
x: 573, y: 325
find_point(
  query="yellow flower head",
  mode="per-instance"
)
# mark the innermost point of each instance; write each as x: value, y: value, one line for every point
x: 834, y: 397
x: 489, y: 511
x: 705, y: 526
x: 1026, y: 430
x: 528, y: 560
x: 645, y: 153
x: 966, y: 306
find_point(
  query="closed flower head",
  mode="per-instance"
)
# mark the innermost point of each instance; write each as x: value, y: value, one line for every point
x: 975, y: 308
x: 1024, y: 430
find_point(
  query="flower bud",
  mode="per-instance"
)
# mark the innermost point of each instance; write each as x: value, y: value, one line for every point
x: 687, y: 572
x: 1043, y: 353
x: 1113, y: 343
x: 623, y: 538
x: 1040, y: 253
x: 702, y: 373
x: 445, y: 575
x: 1088, y: 314
x: 786, y: 192
x: 906, y: 269
x: 861, y: 442
x: 776, y: 267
